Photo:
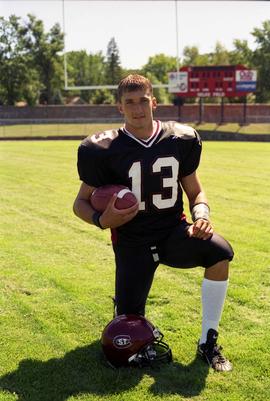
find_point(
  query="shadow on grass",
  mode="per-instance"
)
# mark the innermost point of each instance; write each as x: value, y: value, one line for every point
x: 84, y: 371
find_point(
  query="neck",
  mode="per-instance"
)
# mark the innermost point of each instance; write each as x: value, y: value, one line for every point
x: 141, y: 132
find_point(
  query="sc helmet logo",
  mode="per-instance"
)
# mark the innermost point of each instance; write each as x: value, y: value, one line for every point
x: 122, y: 341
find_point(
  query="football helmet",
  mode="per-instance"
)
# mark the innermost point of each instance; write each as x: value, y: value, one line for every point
x: 132, y: 340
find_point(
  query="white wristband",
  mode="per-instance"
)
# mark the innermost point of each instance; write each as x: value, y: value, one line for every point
x: 200, y: 211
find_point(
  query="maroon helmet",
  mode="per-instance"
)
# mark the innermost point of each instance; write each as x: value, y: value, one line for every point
x: 133, y: 340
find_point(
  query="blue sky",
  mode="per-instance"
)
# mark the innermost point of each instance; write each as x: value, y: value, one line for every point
x: 146, y: 28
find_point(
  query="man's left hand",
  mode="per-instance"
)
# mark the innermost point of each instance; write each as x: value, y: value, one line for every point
x: 201, y: 229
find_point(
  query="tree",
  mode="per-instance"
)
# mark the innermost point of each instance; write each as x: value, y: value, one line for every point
x: 113, y: 63
x: 193, y: 57
x: 85, y: 70
x: 159, y: 66
x: 78, y: 72
x: 29, y: 60
x: 220, y: 56
x: 156, y: 70
x: 161, y: 94
x: 77, y: 65
x: 44, y: 49
x: 261, y: 60
x: 102, y: 96
x: 17, y: 78
x: 241, y: 54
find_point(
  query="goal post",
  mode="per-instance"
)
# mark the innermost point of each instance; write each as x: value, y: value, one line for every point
x: 69, y: 87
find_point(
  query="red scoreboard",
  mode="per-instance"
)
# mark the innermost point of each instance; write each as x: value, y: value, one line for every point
x: 208, y: 81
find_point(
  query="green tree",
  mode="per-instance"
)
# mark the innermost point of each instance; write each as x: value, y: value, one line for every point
x: 85, y: 70
x: 97, y: 76
x: 78, y: 72
x: 159, y: 66
x: 220, y: 56
x: 161, y: 94
x: 156, y: 70
x: 241, y: 54
x: 17, y: 79
x: 44, y: 49
x: 261, y: 60
x: 113, y: 63
x: 102, y: 96
x: 77, y: 63
x: 193, y: 57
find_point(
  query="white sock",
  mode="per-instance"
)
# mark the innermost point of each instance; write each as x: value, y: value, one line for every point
x: 213, y: 297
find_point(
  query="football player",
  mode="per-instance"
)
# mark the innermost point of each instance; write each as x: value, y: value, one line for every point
x: 157, y: 161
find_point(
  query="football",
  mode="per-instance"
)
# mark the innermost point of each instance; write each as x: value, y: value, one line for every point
x: 101, y: 196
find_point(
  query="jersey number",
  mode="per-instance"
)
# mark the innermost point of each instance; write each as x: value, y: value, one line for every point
x: 135, y: 173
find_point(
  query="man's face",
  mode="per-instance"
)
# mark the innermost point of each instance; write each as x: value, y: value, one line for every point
x: 137, y: 108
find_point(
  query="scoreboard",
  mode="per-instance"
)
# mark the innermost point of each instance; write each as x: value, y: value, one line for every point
x: 211, y: 81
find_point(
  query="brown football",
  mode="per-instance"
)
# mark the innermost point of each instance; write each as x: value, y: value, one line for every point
x: 101, y: 196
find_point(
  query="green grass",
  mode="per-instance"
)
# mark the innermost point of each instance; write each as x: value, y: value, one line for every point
x: 44, y: 130
x: 234, y: 127
x: 57, y: 276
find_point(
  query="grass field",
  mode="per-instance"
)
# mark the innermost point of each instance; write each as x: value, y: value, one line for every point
x: 57, y: 276
x: 44, y: 130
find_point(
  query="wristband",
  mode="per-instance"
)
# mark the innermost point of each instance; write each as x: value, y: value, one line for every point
x: 200, y: 211
x: 95, y: 219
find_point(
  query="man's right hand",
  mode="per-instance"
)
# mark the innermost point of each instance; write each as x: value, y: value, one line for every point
x: 113, y: 217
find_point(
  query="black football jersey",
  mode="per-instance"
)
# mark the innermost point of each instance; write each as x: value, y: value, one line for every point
x: 150, y: 168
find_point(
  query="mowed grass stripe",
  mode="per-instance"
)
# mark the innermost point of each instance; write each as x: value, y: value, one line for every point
x: 57, y: 276
x: 69, y: 130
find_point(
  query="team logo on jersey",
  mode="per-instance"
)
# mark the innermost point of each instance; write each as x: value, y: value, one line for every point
x: 122, y: 341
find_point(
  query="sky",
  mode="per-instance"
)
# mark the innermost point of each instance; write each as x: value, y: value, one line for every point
x: 145, y: 28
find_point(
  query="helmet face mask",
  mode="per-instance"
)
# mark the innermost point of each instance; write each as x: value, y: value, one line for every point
x: 131, y: 340
x: 157, y: 351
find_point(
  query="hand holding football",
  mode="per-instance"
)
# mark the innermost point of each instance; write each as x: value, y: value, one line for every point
x: 101, y: 196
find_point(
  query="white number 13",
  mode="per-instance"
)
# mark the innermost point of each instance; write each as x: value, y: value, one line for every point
x: 135, y: 173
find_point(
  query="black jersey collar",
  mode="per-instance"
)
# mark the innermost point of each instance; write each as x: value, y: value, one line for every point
x: 147, y: 143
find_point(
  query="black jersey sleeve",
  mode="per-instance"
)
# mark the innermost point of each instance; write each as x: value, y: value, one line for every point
x: 191, y: 148
x: 94, y: 158
x: 90, y: 166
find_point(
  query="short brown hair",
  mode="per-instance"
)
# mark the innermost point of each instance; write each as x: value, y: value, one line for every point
x: 132, y: 83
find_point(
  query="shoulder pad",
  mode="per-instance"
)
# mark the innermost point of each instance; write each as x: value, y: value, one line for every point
x: 180, y: 130
x: 102, y: 139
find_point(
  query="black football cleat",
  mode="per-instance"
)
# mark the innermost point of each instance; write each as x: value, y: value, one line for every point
x: 211, y: 353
